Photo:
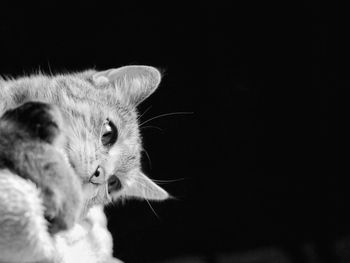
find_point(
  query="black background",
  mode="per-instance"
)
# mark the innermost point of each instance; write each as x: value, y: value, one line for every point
x: 261, y: 162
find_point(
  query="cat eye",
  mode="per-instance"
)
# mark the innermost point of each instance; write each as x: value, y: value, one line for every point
x: 109, y: 134
x: 97, y: 177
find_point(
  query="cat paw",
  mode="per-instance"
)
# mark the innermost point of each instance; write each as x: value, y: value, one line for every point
x: 62, y: 193
x: 52, y: 213
x: 59, y: 221
x: 61, y: 212
x: 40, y: 120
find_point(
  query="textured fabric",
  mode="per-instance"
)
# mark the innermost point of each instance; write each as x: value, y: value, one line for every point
x: 23, y: 230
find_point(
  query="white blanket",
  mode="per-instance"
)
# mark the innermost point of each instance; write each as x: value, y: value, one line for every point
x: 23, y: 229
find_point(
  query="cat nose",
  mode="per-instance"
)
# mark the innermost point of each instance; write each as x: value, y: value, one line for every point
x: 114, y: 184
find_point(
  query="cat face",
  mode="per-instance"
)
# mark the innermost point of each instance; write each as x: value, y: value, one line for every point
x: 103, y: 140
x: 104, y: 143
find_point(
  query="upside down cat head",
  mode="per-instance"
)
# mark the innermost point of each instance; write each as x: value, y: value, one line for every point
x: 103, y: 142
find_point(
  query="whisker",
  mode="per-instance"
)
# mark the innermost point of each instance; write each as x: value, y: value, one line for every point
x: 154, y: 212
x: 168, y: 181
x: 166, y: 114
x: 139, y: 117
x: 154, y: 127
x: 149, y: 159
x: 149, y: 204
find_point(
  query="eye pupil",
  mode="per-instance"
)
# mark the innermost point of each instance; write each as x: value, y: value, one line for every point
x: 97, y: 172
x: 109, y: 133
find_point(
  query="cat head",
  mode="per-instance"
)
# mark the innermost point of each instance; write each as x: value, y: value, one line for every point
x: 104, y: 139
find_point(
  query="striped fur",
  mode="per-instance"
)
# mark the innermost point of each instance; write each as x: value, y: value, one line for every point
x: 86, y: 99
x: 85, y: 105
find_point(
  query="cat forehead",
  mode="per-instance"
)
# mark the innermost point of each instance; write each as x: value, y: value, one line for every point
x: 102, y: 99
x: 93, y: 115
x: 76, y: 94
x: 74, y: 88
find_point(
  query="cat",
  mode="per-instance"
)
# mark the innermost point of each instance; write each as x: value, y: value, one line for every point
x: 102, y: 144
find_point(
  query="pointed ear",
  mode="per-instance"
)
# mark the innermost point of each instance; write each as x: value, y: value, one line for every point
x: 144, y: 188
x: 134, y: 83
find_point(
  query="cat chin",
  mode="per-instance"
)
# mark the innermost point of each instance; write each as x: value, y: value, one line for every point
x: 97, y: 201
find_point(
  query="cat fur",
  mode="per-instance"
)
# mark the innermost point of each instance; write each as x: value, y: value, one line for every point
x: 85, y: 100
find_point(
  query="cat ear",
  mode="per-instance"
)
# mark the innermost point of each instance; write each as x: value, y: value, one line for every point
x: 134, y: 83
x: 143, y: 187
